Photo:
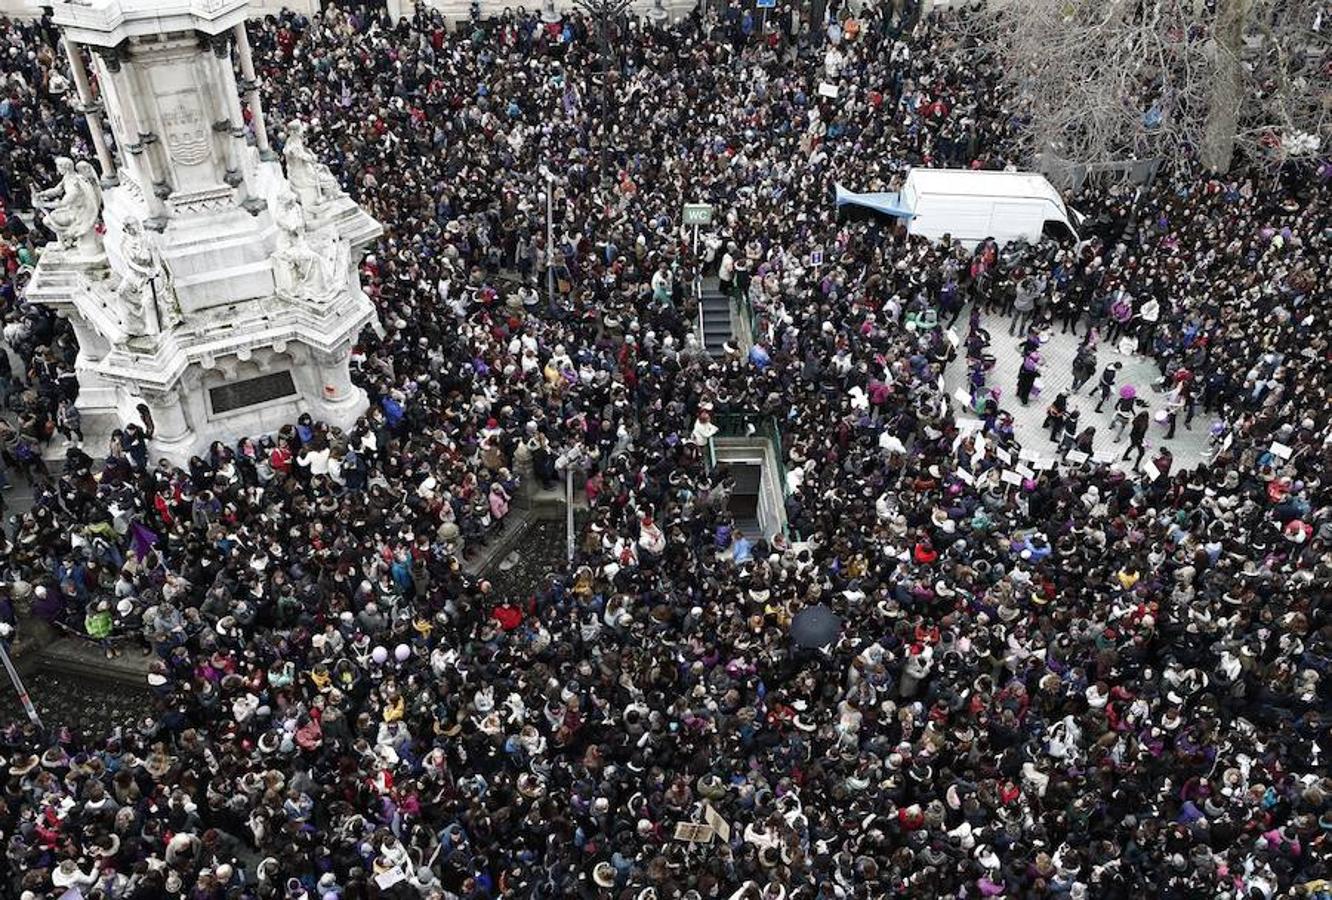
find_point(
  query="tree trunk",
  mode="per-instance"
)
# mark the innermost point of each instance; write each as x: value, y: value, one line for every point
x: 818, y: 11
x: 1223, y: 105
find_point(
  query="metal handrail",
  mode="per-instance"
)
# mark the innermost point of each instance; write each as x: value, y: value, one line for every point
x: 749, y: 315
x: 736, y: 424
x: 698, y: 305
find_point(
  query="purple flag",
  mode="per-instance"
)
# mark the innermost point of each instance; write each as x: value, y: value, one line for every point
x: 143, y: 539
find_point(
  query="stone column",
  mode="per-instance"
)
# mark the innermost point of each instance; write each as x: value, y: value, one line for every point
x: 154, y: 151
x: 338, y: 402
x: 92, y: 112
x: 250, y: 84
x: 232, y: 125
x: 155, y: 191
x: 335, y: 384
x: 91, y: 344
x: 173, y: 437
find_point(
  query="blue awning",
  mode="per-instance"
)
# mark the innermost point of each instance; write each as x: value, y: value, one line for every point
x: 887, y: 202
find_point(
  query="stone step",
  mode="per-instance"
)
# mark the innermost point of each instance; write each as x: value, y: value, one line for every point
x: 542, y: 504
x: 85, y: 659
x: 499, y: 545
x: 750, y: 527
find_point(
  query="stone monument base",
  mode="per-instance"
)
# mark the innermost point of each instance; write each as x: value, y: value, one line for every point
x: 219, y: 297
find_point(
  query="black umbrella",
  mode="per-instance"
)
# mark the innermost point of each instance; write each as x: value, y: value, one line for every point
x: 815, y: 626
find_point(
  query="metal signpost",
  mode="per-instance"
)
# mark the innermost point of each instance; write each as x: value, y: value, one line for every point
x: 569, y: 513
x: 697, y: 214
x: 550, y: 234
x: 763, y: 7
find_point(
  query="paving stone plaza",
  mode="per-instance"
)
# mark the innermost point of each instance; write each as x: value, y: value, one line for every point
x: 496, y: 453
x: 1189, y: 446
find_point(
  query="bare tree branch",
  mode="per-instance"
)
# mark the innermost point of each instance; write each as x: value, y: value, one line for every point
x: 1102, y: 82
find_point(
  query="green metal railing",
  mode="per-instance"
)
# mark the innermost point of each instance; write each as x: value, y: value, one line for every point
x: 697, y: 286
x: 737, y: 424
x: 750, y: 317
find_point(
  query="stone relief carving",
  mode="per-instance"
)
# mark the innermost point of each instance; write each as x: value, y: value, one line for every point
x: 184, y: 129
x: 72, y: 207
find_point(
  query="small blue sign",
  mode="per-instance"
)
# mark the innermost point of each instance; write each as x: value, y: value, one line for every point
x: 765, y: 4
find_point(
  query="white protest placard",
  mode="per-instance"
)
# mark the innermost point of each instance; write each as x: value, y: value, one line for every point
x: 828, y: 89
x: 967, y: 426
x: 1010, y: 477
x: 1024, y: 471
x: 1077, y: 457
x: 693, y: 832
x: 961, y: 396
x: 953, y: 337
x: 719, y: 825
x: 1152, y: 471
x: 965, y: 477
x: 1004, y: 456
x: 1281, y: 450
x: 389, y: 878
x: 1105, y: 456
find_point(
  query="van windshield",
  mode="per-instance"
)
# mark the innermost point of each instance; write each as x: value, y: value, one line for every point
x: 1058, y: 231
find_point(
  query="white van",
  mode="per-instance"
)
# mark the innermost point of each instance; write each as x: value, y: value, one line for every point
x: 971, y: 205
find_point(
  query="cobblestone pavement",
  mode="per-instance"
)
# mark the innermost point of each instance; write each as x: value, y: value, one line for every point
x: 1189, y: 446
x: 538, y: 553
x: 91, y: 706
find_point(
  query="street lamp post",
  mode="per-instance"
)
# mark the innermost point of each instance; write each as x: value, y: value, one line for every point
x: 602, y: 12
x: 549, y: 177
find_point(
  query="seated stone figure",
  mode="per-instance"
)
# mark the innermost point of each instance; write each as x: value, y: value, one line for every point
x: 72, y: 207
x: 301, y: 269
x: 313, y: 182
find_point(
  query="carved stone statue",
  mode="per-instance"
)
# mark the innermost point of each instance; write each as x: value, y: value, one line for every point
x: 72, y: 207
x: 138, y: 289
x: 313, y: 182
x: 301, y: 269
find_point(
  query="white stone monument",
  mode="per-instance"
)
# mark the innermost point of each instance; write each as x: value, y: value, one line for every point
x: 217, y: 292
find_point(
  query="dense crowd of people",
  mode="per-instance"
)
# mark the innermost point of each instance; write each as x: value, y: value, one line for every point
x: 1088, y: 683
